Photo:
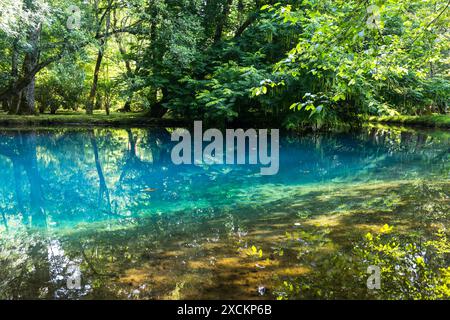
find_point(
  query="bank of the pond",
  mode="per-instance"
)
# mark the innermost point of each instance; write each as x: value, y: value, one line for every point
x: 138, y: 119
x: 436, y: 121
x: 116, y: 119
x: 81, y: 119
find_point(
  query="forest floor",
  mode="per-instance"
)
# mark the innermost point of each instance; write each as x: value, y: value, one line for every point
x: 439, y: 121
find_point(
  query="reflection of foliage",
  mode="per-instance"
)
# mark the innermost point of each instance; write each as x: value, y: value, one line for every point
x: 437, y: 209
x: 410, y: 269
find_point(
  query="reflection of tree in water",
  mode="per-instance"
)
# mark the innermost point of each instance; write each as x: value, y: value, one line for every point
x: 104, y: 172
x: 103, y: 191
x: 23, y: 156
x: 32, y: 257
x: 157, y: 142
x: 81, y: 174
x: 38, y: 269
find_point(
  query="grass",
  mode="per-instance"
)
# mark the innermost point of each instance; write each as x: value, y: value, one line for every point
x: 438, y: 121
x: 99, y: 118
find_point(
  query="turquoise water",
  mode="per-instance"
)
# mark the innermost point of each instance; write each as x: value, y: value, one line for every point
x: 110, y: 202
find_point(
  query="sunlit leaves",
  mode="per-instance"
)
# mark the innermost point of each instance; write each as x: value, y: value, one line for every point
x: 372, y: 68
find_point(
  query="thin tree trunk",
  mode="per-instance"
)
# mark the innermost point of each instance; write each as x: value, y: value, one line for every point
x: 127, y: 106
x: 93, y: 92
x: 222, y: 21
x: 123, y: 52
x: 18, y: 102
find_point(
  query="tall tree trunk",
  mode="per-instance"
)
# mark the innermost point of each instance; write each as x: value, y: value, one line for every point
x: 27, y: 105
x: 158, y: 110
x: 23, y: 100
x: 123, y: 52
x: 222, y: 21
x: 17, y: 101
x: 92, y: 94
x: 9, y: 104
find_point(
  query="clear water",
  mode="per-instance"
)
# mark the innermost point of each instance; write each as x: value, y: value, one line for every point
x: 110, y: 203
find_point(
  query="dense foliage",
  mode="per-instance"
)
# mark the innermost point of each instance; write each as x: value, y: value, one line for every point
x: 293, y: 62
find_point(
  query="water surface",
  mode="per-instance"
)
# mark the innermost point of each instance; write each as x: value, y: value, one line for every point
x: 110, y: 203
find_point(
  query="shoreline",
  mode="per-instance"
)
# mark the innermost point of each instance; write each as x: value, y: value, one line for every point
x: 84, y: 120
x: 140, y: 119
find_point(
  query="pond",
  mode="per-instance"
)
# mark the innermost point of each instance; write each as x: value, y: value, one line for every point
x: 100, y: 213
